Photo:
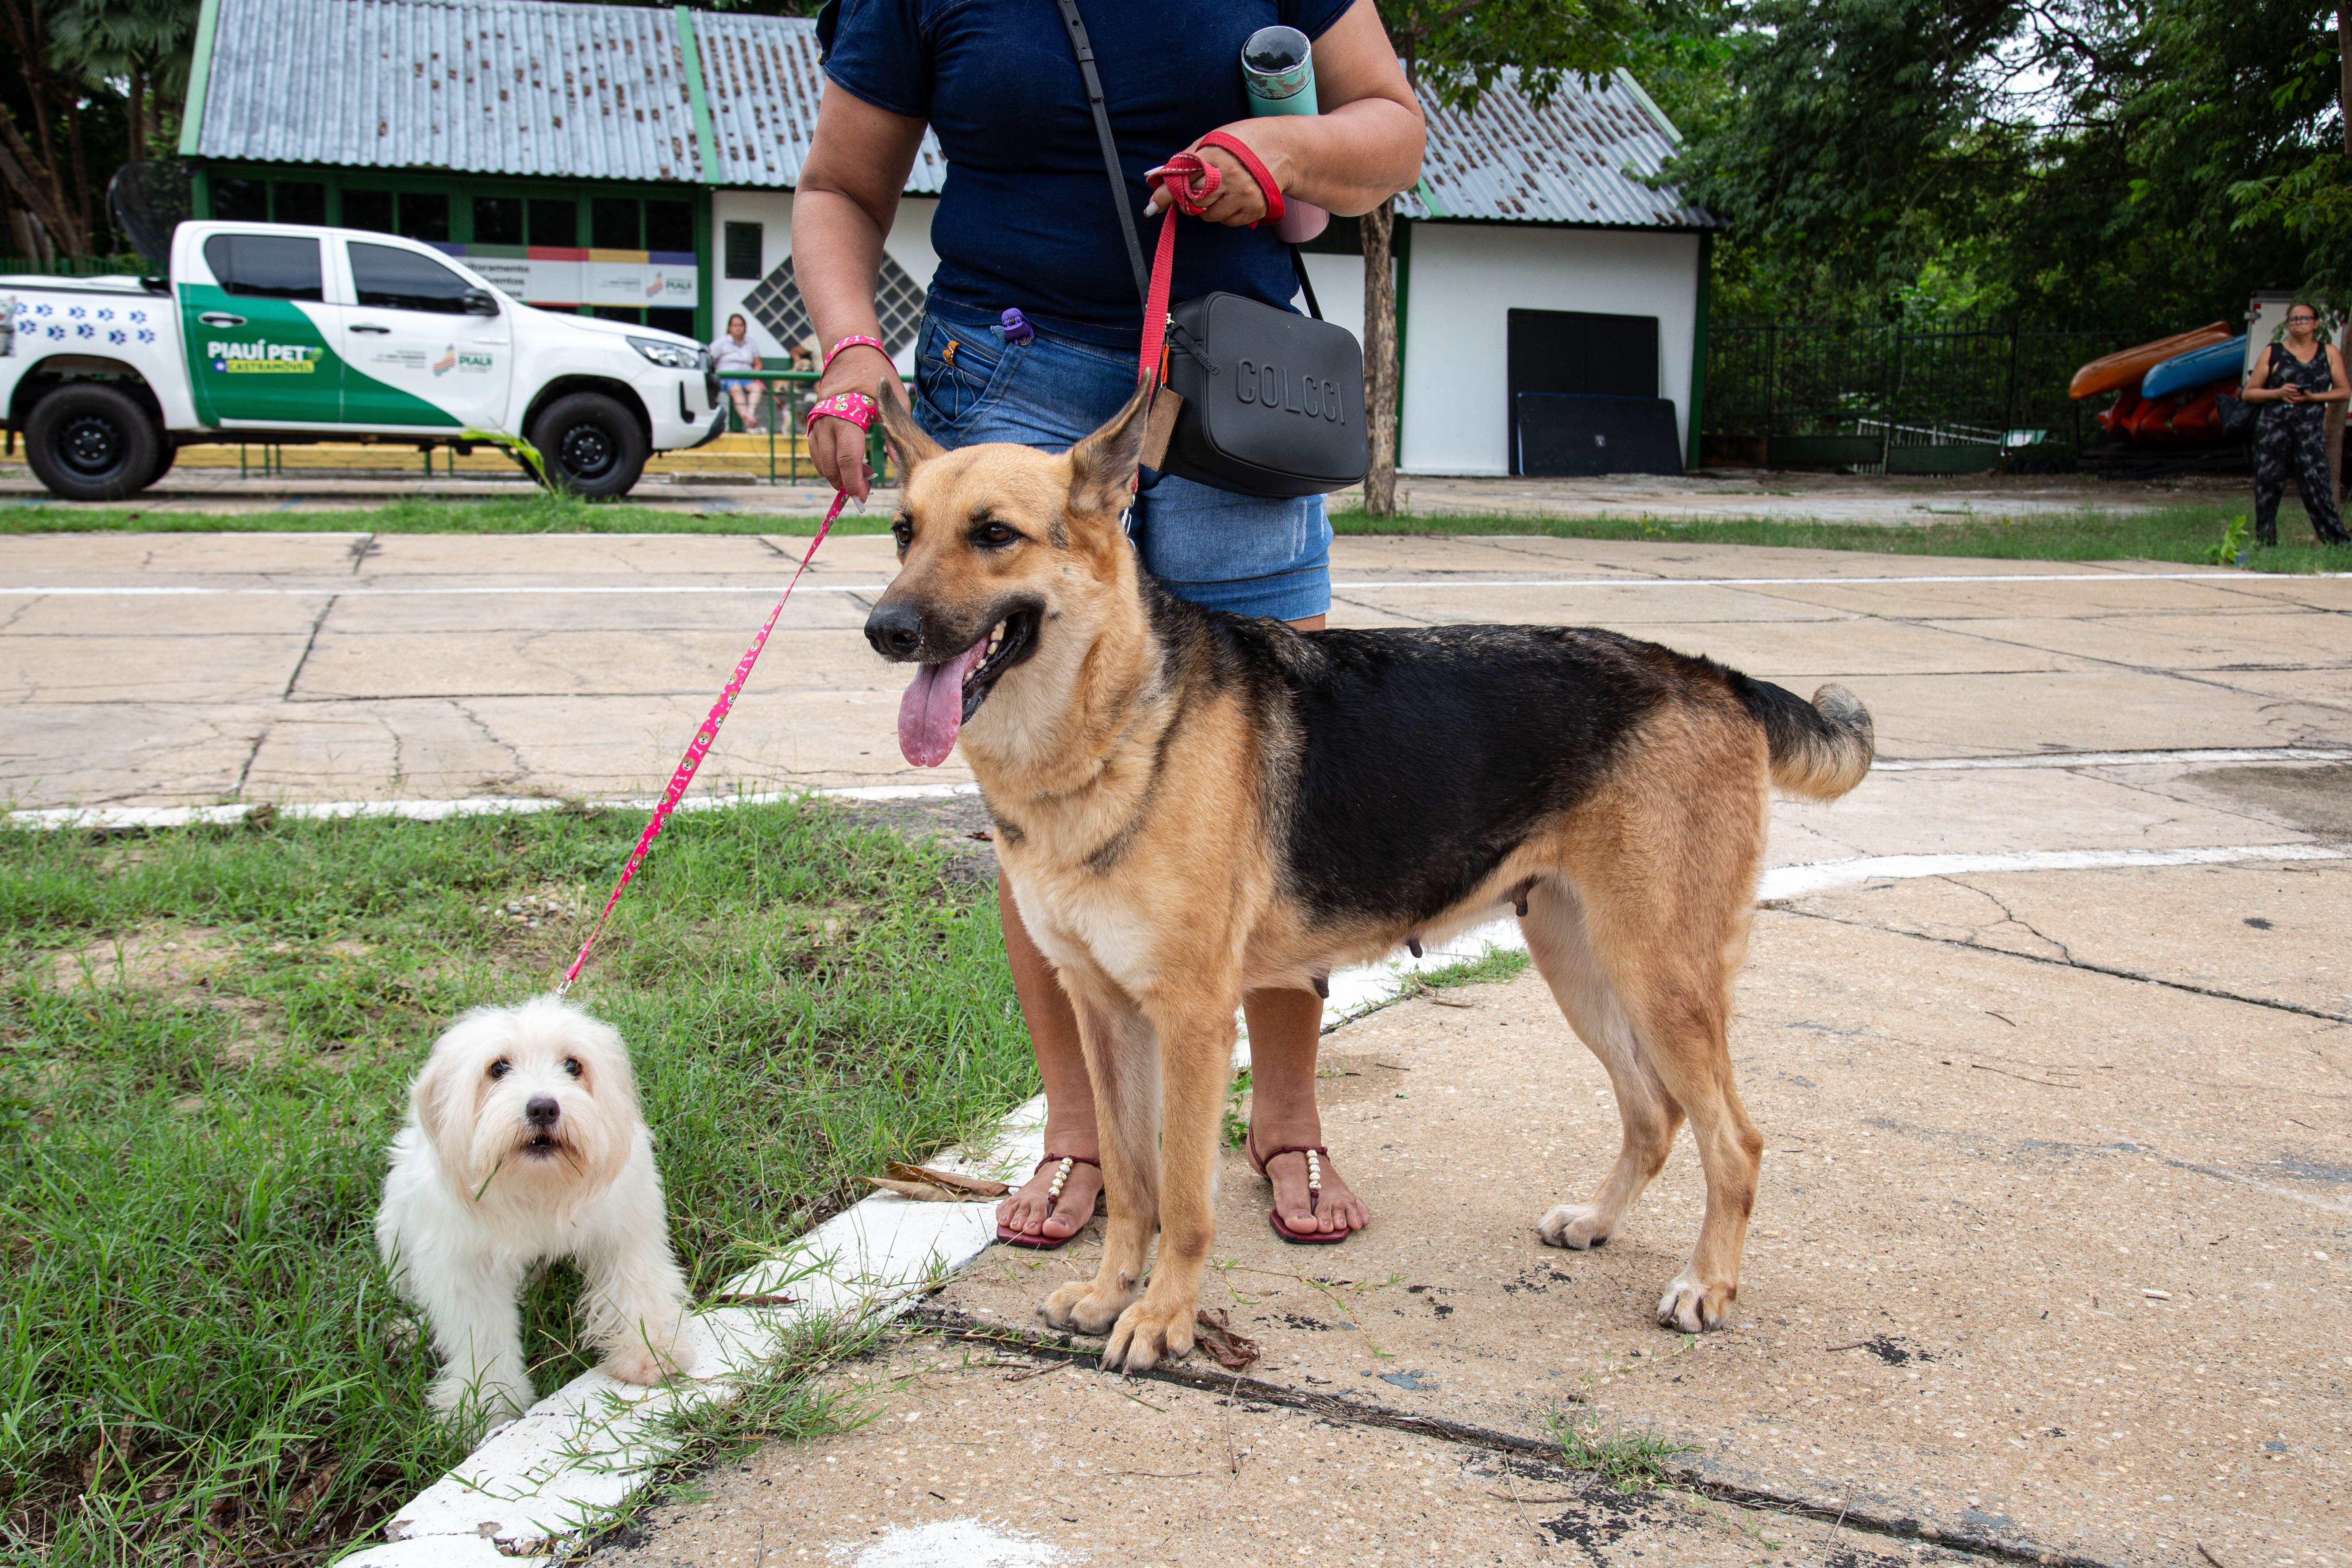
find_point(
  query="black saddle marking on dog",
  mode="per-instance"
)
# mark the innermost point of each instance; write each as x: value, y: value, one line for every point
x: 1422, y: 759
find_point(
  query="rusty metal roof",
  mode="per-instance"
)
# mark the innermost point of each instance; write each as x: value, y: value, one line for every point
x: 762, y: 78
x: 1578, y: 160
x: 541, y: 87
x: 510, y: 86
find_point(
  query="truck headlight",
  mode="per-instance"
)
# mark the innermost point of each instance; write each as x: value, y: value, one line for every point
x: 669, y: 356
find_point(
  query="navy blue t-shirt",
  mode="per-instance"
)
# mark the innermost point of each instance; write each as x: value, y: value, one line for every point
x: 1026, y: 218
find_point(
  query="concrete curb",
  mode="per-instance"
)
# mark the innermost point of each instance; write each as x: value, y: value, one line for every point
x: 575, y: 1456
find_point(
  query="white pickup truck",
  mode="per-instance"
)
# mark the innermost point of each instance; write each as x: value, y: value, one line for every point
x: 282, y: 333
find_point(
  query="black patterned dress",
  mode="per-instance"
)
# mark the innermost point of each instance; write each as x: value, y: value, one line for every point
x: 2291, y: 439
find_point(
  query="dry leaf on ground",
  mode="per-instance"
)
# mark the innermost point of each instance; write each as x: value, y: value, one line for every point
x: 1232, y: 1351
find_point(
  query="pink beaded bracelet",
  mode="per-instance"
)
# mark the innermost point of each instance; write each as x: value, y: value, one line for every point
x: 853, y: 342
x: 854, y: 406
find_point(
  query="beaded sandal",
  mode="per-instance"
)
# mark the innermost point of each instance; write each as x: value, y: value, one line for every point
x: 1041, y: 1242
x: 1315, y: 1155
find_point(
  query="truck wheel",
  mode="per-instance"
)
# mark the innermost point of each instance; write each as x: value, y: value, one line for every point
x: 87, y: 441
x: 591, y: 445
x: 167, y: 453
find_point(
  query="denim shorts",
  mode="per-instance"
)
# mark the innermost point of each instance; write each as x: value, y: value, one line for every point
x: 1252, y: 555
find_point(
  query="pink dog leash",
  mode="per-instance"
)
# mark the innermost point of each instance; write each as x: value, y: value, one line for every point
x: 700, y: 747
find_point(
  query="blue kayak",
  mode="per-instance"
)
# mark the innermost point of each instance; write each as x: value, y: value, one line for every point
x: 2195, y: 368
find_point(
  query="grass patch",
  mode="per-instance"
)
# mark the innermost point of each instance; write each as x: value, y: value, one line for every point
x: 1496, y: 964
x: 1625, y: 1456
x: 539, y: 512
x: 205, y: 1039
x: 2187, y: 533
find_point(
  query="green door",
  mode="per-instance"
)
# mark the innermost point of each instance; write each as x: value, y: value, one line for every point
x: 256, y: 350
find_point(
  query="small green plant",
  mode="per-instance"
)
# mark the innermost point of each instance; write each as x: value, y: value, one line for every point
x: 1496, y: 964
x: 1627, y: 1459
x: 1236, y: 1124
x: 2232, y: 551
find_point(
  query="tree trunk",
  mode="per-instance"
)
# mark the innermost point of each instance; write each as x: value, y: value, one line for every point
x: 2344, y: 62
x: 1377, y: 227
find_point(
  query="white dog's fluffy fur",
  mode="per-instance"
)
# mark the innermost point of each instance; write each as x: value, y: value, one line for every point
x: 524, y: 1143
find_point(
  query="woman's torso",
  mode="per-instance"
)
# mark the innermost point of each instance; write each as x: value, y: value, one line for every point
x: 1026, y: 218
x: 728, y: 354
x: 2310, y: 374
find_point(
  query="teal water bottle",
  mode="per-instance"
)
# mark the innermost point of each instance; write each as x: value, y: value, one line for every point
x: 1278, y: 72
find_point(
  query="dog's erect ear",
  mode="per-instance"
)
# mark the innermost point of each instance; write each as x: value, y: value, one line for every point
x: 909, y: 445
x: 1102, y: 467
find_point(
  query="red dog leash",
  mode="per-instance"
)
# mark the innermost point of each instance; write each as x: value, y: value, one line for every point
x: 859, y: 410
x: 1190, y: 182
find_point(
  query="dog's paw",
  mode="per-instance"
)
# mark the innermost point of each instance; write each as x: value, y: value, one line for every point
x: 1147, y: 1334
x: 640, y: 1363
x: 1574, y: 1226
x: 1694, y: 1307
x: 1079, y: 1308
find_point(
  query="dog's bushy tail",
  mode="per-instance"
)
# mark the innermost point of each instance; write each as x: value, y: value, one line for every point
x: 1819, y: 748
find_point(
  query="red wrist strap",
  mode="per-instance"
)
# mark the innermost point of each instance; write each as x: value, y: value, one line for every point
x: 854, y: 406
x: 1249, y: 159
x: 856, y: 340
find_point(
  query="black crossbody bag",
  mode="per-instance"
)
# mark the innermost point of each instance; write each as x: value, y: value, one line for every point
x: 1273, y: 401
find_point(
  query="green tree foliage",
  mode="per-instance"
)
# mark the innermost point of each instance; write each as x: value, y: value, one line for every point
x: 2110, y: 162
x: 89, y: 85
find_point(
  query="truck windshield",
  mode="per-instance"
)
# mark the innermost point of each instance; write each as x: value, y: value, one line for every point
x: 266, y: 266
x: 389, y: 278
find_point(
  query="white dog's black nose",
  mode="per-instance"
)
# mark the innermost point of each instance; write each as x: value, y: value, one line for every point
x: 543, y: 1111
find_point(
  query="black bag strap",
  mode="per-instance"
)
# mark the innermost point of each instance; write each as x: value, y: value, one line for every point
x: 1306, y: 284
x: 1085, y: 49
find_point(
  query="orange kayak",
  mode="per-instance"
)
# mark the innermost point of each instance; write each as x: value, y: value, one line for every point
x: 2116, y: 371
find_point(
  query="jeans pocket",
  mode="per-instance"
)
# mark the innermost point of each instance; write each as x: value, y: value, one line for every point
x: 954, y: 367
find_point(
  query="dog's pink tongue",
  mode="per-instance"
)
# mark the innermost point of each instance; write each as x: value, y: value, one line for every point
x: 932, y: 709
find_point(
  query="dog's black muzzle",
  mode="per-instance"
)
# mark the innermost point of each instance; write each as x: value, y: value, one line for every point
x: 896, y: 631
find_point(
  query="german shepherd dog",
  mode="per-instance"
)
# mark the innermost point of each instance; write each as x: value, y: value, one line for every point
x: 1189, y: 804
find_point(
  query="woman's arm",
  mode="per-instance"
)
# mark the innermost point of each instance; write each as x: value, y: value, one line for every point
x: 1363, y: 148
x: 2339, y: 390
x: 2257, y: 374
x: 846, y: 200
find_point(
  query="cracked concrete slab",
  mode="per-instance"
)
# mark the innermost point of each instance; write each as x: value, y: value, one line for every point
x: 2268, y: 933
x: 2042, y: 1257
x: 976, y: 1457
x: 217, y: 666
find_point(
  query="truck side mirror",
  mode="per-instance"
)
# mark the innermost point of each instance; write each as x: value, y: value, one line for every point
x: 481, y: 302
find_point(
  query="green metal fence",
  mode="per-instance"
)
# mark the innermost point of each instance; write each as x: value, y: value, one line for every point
x: 1808, y: 386
x: 782, y: 408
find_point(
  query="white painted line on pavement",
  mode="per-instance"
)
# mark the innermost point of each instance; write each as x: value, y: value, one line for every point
x: 362, y: 591
x: 2112, y: 758
x: 128, y: 818
x: 1795, y: 881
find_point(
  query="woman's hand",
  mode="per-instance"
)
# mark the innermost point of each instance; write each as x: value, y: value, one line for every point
x: 1240, y: 201
x: 1361, y: 150
x: 836, y: 446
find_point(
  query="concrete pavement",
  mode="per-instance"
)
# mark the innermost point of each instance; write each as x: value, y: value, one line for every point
x: 326, y: 480
x: 2051, y: 1249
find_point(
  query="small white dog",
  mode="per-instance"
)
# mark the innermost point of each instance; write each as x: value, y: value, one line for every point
x: 524, y: 1143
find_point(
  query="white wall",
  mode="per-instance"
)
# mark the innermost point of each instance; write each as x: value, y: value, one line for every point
x: 1339, y: 288
x: 1464, y: 277
x: 910, y: 245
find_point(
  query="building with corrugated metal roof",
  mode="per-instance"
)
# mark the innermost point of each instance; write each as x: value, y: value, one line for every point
x: 638, y: 162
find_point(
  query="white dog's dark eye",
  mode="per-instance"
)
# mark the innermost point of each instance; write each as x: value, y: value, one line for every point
x: 571, y: 1066
x: 500, y: 1068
